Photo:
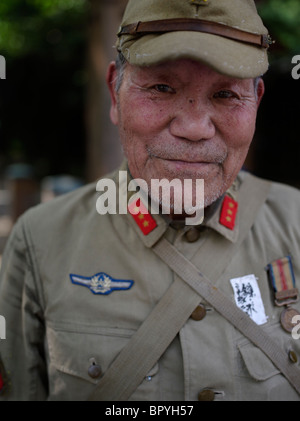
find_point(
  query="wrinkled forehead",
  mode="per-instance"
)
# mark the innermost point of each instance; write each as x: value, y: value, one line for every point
x: 185, y: 71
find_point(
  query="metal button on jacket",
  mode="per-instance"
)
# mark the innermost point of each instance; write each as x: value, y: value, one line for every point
x: 206, y: 395
x: 199, y: 313
x: 293, y: 356
x: 94, y: 370
x: 192, y: 235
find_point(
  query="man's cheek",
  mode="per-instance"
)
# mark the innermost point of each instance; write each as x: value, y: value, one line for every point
x: 241, y: 133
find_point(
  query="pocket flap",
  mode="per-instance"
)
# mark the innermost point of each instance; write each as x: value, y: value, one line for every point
x: 71, y: 351
x: 259, y: 366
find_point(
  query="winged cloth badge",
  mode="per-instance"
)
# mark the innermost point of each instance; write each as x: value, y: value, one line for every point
x: 101, y: 283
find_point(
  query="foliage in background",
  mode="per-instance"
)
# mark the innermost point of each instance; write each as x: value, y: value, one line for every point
x: 42, y: 99
x: 31, y: 25
x: 27, y: 25
x: 42, y: 102
x: 282, y: 18
x: 277, y: 146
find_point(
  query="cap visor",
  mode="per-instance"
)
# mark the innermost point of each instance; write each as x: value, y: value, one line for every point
x: 226, y: 56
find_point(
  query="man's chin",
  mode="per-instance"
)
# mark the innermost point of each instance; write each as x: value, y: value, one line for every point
x: 186, y: 201
x: 183, y: 170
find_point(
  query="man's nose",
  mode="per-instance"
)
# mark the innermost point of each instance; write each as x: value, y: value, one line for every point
x: 193, y: 121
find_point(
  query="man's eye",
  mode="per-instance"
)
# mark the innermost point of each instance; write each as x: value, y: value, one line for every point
x: 225, y: 94
x: 163, y: 88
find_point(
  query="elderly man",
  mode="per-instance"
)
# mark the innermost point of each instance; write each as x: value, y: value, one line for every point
x: 143, y: 306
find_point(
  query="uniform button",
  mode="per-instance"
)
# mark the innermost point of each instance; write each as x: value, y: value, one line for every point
x: 206, y: 395
x: 293, y: 356
x: 192, y: 235
x: 94, y: 370
x: 199, y: 313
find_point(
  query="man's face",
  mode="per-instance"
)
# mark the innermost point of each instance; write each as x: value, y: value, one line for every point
x: 182, y: 120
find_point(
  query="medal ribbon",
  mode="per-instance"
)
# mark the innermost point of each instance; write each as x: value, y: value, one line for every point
x: 282, y: 277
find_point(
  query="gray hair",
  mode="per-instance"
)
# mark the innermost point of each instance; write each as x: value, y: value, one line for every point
x: 256, y: 82
x: 120, y: 67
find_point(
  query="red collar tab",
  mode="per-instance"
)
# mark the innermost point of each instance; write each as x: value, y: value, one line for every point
x: 142, y: 217
x: 228, y: 212
x: 1, y: 383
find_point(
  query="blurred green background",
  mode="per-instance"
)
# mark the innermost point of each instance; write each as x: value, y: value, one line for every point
x: 44, y: 117
x: 42, y: 98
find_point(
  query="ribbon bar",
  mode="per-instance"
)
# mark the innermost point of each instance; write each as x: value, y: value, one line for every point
x: 281, y: 274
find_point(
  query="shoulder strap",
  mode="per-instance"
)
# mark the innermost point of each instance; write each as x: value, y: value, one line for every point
x: 162, y: 325
x: 190, y: 274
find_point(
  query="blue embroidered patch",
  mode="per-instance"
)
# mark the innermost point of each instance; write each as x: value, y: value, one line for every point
x: 101, y: 283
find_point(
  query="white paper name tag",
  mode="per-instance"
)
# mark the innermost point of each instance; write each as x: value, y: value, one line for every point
x: 248, y: 298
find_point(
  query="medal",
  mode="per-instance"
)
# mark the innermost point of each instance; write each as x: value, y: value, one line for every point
x: 286, y: 318
x: 282, y: 277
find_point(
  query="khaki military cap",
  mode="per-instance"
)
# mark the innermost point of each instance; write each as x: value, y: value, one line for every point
x: 227, y: 35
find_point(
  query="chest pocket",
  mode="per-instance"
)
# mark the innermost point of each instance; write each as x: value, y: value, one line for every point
x: 78, y: 357
x: 269, y: 383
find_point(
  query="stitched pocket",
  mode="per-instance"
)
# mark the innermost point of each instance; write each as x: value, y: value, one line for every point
x: 73, y: 349
x: 259, y: 366
x: 258, y: 377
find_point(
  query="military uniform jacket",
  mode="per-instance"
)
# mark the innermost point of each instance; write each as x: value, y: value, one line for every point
x: 76, y: 285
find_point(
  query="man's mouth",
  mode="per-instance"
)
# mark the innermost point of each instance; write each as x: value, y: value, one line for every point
x: 191, y: 164
x: 204, y: 159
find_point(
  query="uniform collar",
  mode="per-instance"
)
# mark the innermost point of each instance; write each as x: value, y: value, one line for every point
x: 161, y: 225
x: 214, y: 222
x: 211, y: 217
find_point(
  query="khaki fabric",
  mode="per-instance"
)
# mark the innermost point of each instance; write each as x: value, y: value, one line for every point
x: 226, y: 56
x: 55, y: 327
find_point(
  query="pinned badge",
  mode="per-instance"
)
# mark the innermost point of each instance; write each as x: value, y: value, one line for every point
x: 248, y: 298
x: 287, y: 317
x: 228, y: 212
x: 101, y: 283
x: 142, y: 217
x: 281, y: 275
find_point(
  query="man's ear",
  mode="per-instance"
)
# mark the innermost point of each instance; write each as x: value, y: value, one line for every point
x: 111, y: 79
x: 260, y: 90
